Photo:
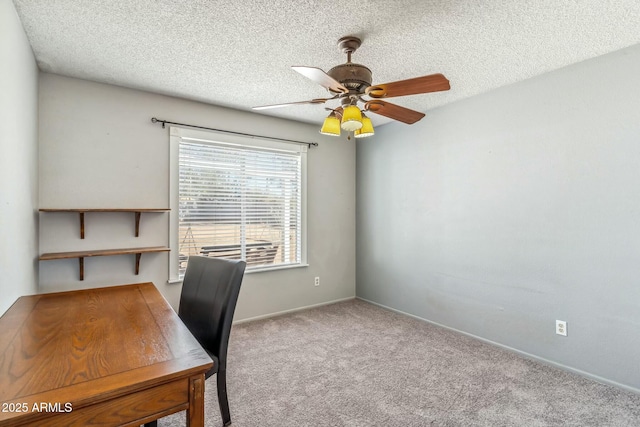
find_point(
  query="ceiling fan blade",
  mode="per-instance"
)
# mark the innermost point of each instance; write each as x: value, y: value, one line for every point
x: 322, y: 78
x: 313, y: 101
x: 424, y: 84
x: 393, y: 111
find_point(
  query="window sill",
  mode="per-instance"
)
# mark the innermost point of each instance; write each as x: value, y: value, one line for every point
x: 278, y: 267
x: 257, y: 270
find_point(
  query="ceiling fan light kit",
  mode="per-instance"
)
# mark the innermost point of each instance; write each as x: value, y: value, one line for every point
x: 350, y: 82
x: 367, y: 128
x: 331, y: 125
x: 351, y: 118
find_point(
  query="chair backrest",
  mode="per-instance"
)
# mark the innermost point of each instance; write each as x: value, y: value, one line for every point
x: 208, y: 300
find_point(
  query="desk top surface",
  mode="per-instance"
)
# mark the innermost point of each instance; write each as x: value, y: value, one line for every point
x: 86, y: 346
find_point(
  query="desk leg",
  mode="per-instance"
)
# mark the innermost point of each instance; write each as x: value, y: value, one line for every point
x: 195, y: 413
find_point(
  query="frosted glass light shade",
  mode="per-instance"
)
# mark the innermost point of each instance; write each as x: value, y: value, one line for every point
x: 351, y: 118
x: 366, y: 129
x: 331, y: 125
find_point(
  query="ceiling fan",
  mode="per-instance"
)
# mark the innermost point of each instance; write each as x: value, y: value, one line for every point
x: 350, y: 83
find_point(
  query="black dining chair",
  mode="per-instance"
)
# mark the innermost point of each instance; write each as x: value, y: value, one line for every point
x: 208, y: 300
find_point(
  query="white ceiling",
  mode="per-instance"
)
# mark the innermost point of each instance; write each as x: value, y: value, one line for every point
x: 238, y: 53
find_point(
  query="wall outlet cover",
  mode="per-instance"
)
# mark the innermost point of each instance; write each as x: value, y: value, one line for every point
x: 561, y: 327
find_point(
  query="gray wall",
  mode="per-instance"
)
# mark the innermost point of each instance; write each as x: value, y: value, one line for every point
x: 499, y: 214
x: 18, y: 160
x: 99, y: 149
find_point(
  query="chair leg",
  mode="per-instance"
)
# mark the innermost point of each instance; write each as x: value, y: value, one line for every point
x: 221, y: 378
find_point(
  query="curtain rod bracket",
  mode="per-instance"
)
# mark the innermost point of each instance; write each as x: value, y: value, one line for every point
x: 164, y: 122
x: 154, y: 120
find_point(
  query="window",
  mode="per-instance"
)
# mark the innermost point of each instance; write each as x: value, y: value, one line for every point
x: 237, y: 197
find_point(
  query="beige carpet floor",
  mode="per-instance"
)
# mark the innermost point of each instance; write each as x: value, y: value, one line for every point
x: 356, y: 364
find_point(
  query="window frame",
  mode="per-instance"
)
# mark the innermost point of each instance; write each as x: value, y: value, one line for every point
x: 176, y: 134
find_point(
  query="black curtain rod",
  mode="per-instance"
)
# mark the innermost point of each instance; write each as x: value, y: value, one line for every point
x: 164, y: 122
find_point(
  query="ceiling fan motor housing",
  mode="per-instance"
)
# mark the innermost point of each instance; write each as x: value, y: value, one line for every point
x: 354, y: 77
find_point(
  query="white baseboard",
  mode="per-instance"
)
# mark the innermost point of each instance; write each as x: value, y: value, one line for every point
x: 293, y: 310
x: 515, y: 350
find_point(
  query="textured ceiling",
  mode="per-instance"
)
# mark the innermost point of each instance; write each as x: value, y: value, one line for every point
x: 238, y: 53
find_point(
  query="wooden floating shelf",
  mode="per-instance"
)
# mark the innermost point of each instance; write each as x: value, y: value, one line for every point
x: 81, y: 255
x: 136, y: 211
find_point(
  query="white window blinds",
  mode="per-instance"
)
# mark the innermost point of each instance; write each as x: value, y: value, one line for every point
x: 240, y: 202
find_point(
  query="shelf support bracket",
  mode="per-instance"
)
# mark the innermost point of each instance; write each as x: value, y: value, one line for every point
x: 81, y: 225
x: 81, y: 265
x: 138, y: 263
x: 138, y: 214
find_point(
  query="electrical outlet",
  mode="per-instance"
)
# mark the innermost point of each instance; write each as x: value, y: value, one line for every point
x: 317, y: 281
x: 561, y: 327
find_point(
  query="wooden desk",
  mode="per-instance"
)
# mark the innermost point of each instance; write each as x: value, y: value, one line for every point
x: 98, y: 357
